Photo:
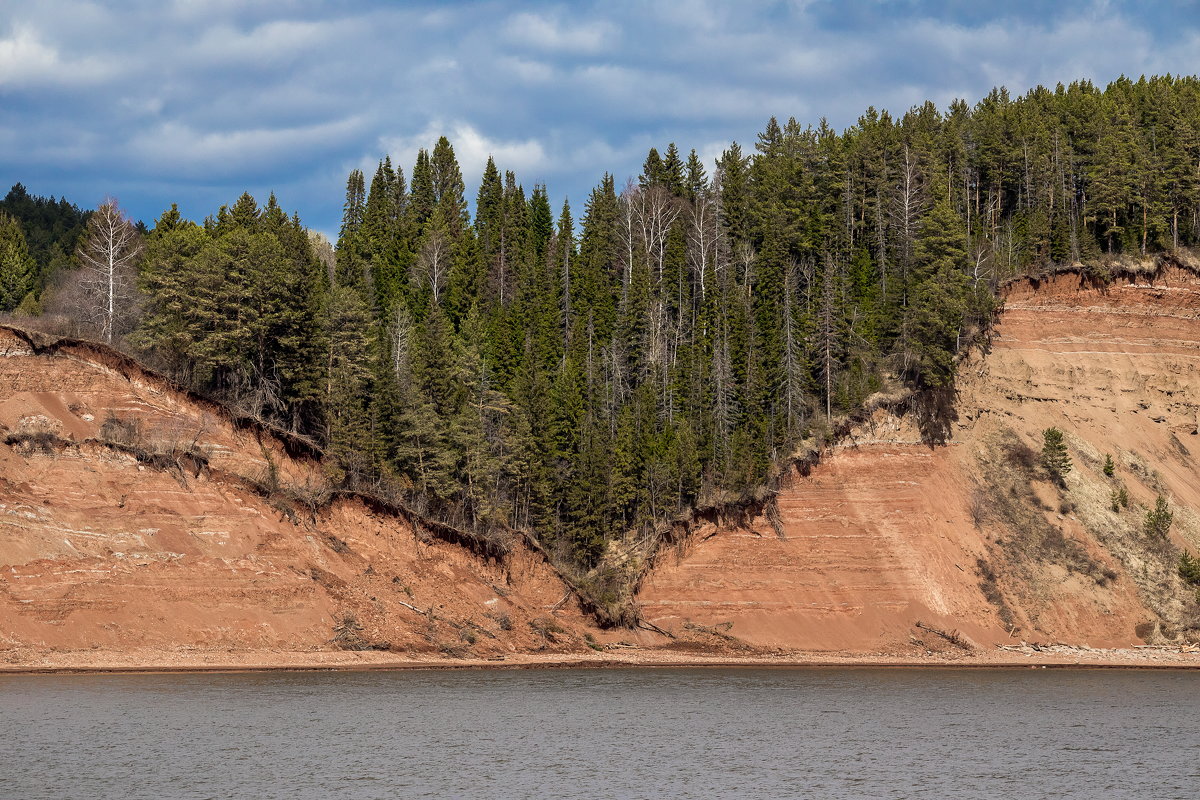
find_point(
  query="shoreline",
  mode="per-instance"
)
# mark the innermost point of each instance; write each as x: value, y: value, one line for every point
x: 323, y: 661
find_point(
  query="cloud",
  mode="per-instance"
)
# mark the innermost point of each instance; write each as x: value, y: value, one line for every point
x: 544, y: 33
x: 27, y: 62
x: 472, y: 148
x: 268, y: 43
x: 195, y: 101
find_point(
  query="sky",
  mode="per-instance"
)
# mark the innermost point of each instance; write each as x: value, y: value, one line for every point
x: 195, y: 101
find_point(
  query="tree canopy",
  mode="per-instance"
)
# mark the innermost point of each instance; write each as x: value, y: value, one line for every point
x: 580, y: 376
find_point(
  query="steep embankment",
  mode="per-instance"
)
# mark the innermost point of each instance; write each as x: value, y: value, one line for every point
x: 135, y: 517
x: 886, y: 532
x: 141, y: 525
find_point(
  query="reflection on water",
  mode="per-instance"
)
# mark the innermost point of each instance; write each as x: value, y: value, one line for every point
x: 820, y: 733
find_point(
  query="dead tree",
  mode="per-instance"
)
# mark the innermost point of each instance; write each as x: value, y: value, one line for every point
x: 108, y: 256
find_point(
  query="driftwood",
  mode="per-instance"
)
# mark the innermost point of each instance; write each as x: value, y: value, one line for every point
x: 650, y: 626
x: 952, y: 637
x: 721, y: 630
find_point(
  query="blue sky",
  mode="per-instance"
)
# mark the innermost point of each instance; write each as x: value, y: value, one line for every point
x: 195, y: 101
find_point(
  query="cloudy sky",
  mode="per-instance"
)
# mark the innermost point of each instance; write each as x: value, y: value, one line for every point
x: 194, y: 101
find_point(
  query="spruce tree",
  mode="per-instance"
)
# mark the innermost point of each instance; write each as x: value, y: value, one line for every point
x: 351, y: 249
x: 16, y: 265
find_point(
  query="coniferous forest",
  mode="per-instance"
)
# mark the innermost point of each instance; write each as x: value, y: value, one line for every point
x: 582, y: 371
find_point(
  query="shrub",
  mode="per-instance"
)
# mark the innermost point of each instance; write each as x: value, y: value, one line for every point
x: 1109, y: 467
x: 1020, y: 456
x: 121, y: 431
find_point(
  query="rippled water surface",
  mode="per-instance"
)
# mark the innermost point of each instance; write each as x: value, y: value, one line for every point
x: 604, y: 734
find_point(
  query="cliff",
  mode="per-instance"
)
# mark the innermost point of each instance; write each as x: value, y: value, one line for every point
x: 136, y: 517
x: 139, y: 523
x: 972, y: 536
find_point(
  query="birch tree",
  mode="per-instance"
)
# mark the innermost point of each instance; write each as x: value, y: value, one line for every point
x: 108, y: 256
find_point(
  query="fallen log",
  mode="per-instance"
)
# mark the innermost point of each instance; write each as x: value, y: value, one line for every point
x: 650, y: 626
x: 952, y: 637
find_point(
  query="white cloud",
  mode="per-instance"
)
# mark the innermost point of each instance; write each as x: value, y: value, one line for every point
x: 183, y: 97
x: 266, y: 43
x: 472, y: 147
x: 528, y: 71
x: 542, y: 32
x: 26, y: 61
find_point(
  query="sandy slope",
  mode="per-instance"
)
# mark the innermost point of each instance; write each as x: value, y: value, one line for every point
x: 100, y: 553
x: 884, y: 532
x: 111, y: 563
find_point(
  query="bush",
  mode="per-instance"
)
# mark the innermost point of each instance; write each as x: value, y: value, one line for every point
x: 1020, y: 456
x: 121, y: 431
x: 1109, y: 467
x: 43, y: 442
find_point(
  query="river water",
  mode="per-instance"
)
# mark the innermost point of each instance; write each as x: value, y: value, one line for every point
x: 713, y: 733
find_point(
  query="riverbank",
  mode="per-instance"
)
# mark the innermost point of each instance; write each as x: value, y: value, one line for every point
x: 1056, y: 656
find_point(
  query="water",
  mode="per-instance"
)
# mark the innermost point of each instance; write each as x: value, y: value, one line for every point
x: 819, y: 733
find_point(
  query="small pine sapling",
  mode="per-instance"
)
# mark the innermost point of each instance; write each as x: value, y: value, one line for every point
x: 1109, y: 467
x: 1189, y: 569
x: 1158, y: 520
x: 1055, y: 458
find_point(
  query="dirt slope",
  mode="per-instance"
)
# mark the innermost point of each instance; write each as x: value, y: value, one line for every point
x: 99, y: 551
x: 184, y: 552
x: 971, y: 537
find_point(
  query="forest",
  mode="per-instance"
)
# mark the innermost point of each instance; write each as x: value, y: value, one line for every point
x: 577, y: 373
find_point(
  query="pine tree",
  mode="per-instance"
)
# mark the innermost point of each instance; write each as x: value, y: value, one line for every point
x: 1158, y: 520
x: 1189, y: 568
x: 16, y: 265
x: 932, y: 327
x: 348, y: 386
x: 1055, y: 458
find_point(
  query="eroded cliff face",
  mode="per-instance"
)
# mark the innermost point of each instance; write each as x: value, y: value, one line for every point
x: 103, y: 550
x: 886, y: 532
x: 224, y: 544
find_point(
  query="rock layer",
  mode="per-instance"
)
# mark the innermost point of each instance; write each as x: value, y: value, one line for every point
x: 886, y: 531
